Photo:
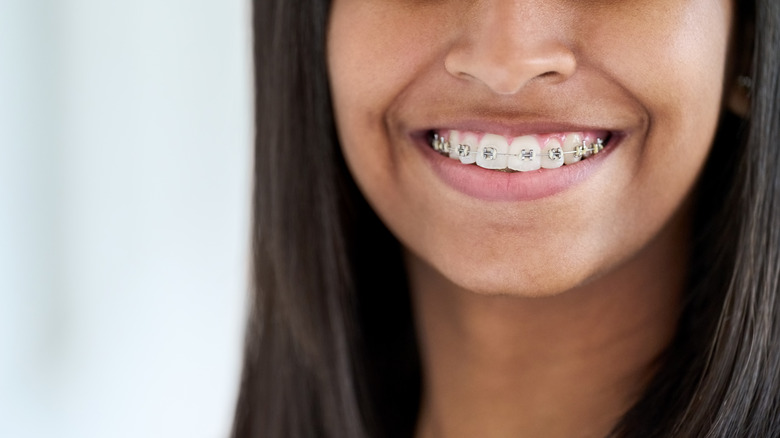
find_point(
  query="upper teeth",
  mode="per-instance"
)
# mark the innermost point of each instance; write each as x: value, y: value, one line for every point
x: 522, y: 154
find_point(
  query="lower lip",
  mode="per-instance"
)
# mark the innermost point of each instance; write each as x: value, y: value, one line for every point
x: 493, y: 185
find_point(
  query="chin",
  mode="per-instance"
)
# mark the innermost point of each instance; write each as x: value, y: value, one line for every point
x: 520, y: 284
x: 507, y: 276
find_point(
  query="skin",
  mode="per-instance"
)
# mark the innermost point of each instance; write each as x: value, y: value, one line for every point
x: 543, y: 317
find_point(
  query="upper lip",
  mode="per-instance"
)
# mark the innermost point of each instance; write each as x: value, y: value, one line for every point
x: 521, y: 116
x: 512, y: 126
x: 516, y: 129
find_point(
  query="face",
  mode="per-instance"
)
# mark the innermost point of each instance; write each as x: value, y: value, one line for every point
x: 523, y: 83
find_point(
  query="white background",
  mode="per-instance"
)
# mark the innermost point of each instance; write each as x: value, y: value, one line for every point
x: 125, y: 160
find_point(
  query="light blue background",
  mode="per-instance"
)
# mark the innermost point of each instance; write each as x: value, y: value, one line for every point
x: 125, y: 160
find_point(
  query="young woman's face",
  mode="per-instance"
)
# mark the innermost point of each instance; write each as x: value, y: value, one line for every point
x: 514, y: 80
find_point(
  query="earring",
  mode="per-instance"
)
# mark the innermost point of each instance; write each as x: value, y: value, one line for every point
x: 738, y: 99
x: 745, y: 82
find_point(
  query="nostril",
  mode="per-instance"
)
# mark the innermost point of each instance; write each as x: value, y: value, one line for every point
x: 507, y: 71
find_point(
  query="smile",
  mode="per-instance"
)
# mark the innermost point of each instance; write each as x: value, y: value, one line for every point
x: 518, y: 154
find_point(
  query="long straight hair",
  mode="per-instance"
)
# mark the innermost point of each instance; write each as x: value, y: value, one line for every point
x: 330, y: 345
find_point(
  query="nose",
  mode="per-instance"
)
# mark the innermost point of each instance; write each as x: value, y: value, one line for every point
x: 505, y: 44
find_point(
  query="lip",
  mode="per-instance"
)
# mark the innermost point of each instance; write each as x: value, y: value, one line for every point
x: 492, y: 185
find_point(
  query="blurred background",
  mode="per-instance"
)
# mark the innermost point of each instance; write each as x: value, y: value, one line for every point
x: 125, y: 159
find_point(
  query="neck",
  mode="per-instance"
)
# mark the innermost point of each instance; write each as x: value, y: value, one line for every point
x: 563, y: 366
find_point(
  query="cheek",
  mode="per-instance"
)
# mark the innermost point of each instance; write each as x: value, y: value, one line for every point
x: 369, y: 59
x: 670, y: 56
x: 370, y: 66
x: 672, y: 62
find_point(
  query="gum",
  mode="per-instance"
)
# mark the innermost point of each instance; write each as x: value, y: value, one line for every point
x: 542, y: 139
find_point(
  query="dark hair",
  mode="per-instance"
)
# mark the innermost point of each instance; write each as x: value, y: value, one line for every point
x: 330, y: 347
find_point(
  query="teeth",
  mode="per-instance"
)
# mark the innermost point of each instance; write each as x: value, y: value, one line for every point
x: 454, y: 137
x: 552, y: 154
x: 467, y: 148
x: 597, y: 147
x: 524, y: 154
x: 570, y: 144
x: 492, y: 152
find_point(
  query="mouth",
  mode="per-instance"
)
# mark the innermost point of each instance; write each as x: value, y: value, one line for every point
x: 525, y: 153
x: 540, y: 162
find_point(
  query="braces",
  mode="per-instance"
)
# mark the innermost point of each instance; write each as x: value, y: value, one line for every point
x: 443, y: 146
